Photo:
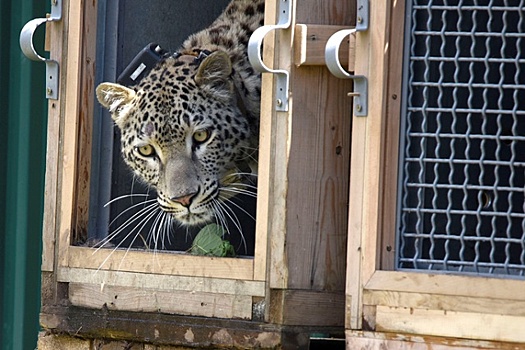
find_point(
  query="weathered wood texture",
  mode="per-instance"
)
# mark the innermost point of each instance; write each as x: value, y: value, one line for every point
x: 54, y: 43
x: 395, y: 341
x: 366, y: 184
x: 152, y: 300
x: 85, y: 119
x: 310, y: 43
x: 307, y: 308
x: 318, y: 164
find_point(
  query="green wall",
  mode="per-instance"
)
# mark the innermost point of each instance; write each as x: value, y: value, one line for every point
x: 22, y: 164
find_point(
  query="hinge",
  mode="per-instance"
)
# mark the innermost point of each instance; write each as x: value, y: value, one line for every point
x: 26, y: 44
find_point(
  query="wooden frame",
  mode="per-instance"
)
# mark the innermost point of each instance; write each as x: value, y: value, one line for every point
x: 67, y: 193
x: 403, y: 305
x: 300, y: 242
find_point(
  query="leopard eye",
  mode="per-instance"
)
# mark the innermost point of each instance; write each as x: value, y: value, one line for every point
x: 146, y: 151
x: 201, y: 136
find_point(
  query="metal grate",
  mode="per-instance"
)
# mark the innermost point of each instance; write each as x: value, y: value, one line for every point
x: 462, y: 166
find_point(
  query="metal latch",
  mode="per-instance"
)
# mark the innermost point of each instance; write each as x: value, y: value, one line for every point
x: 255, y: 49
x: 26, y: 44
x: 360, y: 93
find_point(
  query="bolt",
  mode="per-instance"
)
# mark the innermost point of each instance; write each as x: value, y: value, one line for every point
x: 279, y: 102
x: 358, y: 108
x: 49, y: 91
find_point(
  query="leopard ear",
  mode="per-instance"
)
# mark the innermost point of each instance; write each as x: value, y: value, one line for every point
x: 115, y: 97
x: 214, y: 74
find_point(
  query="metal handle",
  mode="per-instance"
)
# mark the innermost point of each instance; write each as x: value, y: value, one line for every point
x: 255, y: 49
x: 360, y: 93
x: 26, y: 45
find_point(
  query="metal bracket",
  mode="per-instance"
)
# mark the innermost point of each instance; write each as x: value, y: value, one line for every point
x: 26, y: 44
x: 360, y: 93
x: 282, y: 77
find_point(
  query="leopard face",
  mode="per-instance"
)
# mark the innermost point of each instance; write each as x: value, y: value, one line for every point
x: 184, y: 133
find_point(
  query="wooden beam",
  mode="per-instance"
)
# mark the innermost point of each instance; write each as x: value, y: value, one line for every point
x: 399, y: 341
x: 152, y: 300
x: 166, y: 263
x: 162, y: 282
x: 451, y: 324
x: 310, y: 44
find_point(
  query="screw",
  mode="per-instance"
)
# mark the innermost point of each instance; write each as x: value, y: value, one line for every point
x: 54, y: 2
x: 279, y: 102
x: 358, y: 108
x: 49, y: 91
x: 359, y: 19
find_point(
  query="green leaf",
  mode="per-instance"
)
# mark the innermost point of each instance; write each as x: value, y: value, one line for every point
x: 209, y: 242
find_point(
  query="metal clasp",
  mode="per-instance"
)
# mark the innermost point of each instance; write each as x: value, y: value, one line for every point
x: 282, y: 76
x: 26, y: 44
x: 360, y: 93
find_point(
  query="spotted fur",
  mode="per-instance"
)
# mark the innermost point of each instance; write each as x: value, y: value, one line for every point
x: 192, y: 123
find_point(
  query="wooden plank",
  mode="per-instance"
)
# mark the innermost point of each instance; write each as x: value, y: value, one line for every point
x: 370, y: 60
x: 310, y: 44
x: 150, y: 300
x: 54, y: 43
x: 451, y: 324
x: 69, y: 114
x: 396, y: 341
x: 307, y: 308
x: 165, y: 263
x: 387, y: 230
x: 453, y: 285
x: 266, y: 151
x: 85, y: 120
x: 318, y: 167
x: 162, y: 282
x: 445, y: 302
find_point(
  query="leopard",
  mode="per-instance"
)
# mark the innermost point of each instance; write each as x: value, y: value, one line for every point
x: 190, y: 128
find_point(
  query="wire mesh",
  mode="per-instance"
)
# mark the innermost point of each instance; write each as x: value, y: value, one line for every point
x: 462, y: 165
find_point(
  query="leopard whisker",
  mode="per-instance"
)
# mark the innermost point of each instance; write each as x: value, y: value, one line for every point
x: 126, y: 196
x: 227, y: 211
x: 230, y: 200
x: 137, y: 216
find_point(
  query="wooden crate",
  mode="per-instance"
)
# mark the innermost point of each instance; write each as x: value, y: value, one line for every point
x: 400, y: 309
x: 295, y: 283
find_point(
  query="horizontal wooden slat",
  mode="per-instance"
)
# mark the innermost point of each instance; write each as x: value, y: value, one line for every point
x: 445, y: 284
x: 179, y: 264
x: 445, y: 302
x: 450, y: 324
x: 148, y: 300
x: 162, y: 282
x: 396, y: 341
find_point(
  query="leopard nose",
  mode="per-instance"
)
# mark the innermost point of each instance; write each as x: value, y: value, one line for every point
x: 185, y: 199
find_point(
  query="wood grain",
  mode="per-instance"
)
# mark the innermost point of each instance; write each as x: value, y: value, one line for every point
x: 451, y: 324
x: 167, y: 263
x: 397, y: 341
x: 162, y: 282
x: 310, y: 43
x: 85, y: 120
x: 151, y: 300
